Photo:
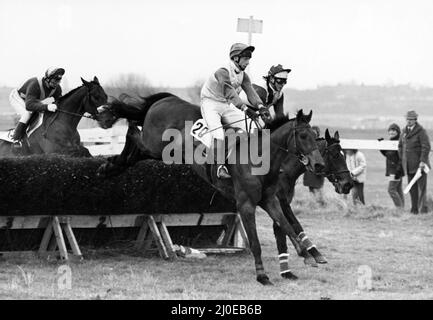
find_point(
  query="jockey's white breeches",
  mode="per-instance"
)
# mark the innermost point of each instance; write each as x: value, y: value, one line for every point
x: 216, y: 113
x: 20, y: 106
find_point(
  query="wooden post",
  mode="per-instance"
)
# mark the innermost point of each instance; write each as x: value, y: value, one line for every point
x: 167, y: 240
x: 59, y: 238
x: 48, y: 233
x: 241, y: 237
x: 142, y: 235
x: 157, y: 236
x: 71, y: 238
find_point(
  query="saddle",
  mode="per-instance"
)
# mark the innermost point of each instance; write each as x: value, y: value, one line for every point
x: 201, y: 135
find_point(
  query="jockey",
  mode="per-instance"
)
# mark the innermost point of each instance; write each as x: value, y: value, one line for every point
x: 220, y: 101
x: 271, y: 93
x: 29, y: 98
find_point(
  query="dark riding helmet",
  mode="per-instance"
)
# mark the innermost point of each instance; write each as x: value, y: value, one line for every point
x: 54, y: 73
x: 278, y: 71
x: 241, y: 50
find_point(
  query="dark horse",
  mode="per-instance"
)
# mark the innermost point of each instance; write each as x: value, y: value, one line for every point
x: 337, y: 173
x: 335, y: 165
x: 248, y: 190
x: 58, y: 131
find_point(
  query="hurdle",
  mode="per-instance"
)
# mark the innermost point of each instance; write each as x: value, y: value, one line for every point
x: 153, y: 229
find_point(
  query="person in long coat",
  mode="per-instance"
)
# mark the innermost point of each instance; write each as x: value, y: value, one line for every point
x: 414, y: 148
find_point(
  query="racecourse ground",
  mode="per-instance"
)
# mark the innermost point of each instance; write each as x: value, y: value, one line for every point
x: 394, y: 246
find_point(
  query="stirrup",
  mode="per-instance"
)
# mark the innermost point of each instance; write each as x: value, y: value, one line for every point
x: 222, y: 172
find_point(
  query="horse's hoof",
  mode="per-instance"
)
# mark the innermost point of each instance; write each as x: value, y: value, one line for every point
x: 317, y: 256
x: 264, y: 280
x: 289, y: 275
x: 310, y: 261
x: 320, y: 259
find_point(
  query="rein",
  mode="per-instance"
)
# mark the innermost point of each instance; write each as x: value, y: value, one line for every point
x: 44, y: 134
x: 76, y: 114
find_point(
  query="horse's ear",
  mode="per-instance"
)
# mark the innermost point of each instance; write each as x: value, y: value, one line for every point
x: 327, y: 135
x: 95, y: 80
x: 336, y: 135
x: 310, y: 115
x: 84, y: 81
x: 299, y: 115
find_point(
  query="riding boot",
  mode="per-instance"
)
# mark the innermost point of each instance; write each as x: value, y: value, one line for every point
x: 19, y: 131
x: 222, y: 171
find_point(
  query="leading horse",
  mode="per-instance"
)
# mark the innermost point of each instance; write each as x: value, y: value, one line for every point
x: 58, y: 132
x: 335, y: 165
x: 248, y: 190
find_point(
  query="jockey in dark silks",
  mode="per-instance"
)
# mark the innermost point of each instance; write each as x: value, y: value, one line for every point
x: 271, y: 92
x: 220, y: 101
x: 33, y: 96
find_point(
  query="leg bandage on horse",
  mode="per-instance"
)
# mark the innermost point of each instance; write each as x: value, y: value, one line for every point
x: 305, y: 242
x: 284, y: 262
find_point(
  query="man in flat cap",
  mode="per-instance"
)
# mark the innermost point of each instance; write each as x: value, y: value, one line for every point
x: 414, y: 149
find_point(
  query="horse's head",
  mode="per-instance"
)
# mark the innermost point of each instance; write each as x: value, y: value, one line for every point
x: 96, y: 96
x: 106, y: 115
x: 305, y: 143
x: 335, y: 164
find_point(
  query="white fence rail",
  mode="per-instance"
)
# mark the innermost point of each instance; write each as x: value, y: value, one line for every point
x: 111, y: 141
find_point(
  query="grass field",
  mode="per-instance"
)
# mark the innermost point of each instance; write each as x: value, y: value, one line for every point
x: 375, y: 244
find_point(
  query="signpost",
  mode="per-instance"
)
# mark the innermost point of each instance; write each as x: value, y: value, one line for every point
x: 251, y: 26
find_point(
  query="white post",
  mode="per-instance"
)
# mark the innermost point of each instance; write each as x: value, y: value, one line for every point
x: 250, y: 38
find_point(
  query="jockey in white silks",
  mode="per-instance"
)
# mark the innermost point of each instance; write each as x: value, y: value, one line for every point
x: 220, y: 101
x: 32, y: 96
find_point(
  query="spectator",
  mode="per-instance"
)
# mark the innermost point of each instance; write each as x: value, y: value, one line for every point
x: 394, y: 169
x: 313, y: 181
x: 414, y: 148
x: 357, y: 166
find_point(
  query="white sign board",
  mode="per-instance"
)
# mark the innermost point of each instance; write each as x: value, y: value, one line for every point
x: 250, y: 25
x: 369, y: 144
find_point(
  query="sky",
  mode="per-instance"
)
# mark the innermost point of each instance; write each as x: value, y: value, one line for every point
x: 178, y: 43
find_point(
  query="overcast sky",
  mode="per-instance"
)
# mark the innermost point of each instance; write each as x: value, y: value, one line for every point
x: 178, y: 42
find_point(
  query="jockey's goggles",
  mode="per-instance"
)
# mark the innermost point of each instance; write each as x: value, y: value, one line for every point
x: 280, y: 80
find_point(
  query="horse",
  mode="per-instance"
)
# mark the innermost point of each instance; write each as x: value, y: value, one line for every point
x: 58, y: 131
x: 335, y: 165
x: 336, y: 172
x: 287, y: 137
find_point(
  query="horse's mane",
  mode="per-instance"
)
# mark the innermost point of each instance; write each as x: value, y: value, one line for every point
x: 68, y: 94
x: 278, y: 122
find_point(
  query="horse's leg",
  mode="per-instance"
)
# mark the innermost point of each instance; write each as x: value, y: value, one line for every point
x: 248, y: 214
x: 282, y: 227
x: 130, y: 155
x: 301, y: 247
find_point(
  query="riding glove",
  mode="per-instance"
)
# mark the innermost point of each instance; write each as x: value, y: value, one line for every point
x: 52, y: 107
